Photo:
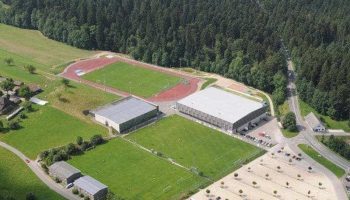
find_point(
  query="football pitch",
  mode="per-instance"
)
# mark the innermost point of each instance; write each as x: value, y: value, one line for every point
x: 133, y: 173
x: 195, y: 146
x: 133, y: 79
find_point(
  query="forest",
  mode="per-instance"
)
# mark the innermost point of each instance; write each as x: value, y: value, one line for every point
x: 317, y: 33
x: 238, y: 39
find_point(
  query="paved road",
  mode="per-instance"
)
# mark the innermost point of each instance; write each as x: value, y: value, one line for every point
x: 305, y: 129
x: 307, y: 136
x: 34, y: 166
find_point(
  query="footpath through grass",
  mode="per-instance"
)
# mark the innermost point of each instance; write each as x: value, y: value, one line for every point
x: 133, y: 79
x: 339, y: 172
x: 195, y: 146
x: 330, y: 123
x: 134, y: 173
x: 33, y: 45
x: 17, y: 180
x: 46, y: 128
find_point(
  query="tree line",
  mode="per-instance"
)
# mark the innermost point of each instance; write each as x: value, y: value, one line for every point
x: 317, y: 33
x: 231, y: 38
x: 337, y: 144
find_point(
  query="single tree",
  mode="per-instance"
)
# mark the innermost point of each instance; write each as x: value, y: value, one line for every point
x: 308, y: 193
x: 222, y: 184
x: 249, y: 169
x: 240, y: 192
x: 290, y: 161
x: 254, y: 183
x: 235, y: 175
x: 320, y: 185
x: 7, y: 85
x: 30, y: 68
x: 24, y: 92
x: 287, y: 184
x: 8, y: 61
x: 310, y: 169
x: 267, y: 176
x: 208, y: 192
x: 289, y: 122
x: 299, y: 177
x: 275, y: 193
x: 279, y: 168
x: 65, y: 82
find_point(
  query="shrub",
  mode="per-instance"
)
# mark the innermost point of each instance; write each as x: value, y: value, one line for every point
x: 71, y: 149
x: 28, y: 106
x: 23, y: 116
x: 13, y: 125
x: 81, y: 195
x: 30, y: 196
x: 85, y: 145
x: 80, y: 140
x: 96, y: 140
x: 75, y: 191
x: 57, y: 180
x: 87, y: 198
x: 160, y: 154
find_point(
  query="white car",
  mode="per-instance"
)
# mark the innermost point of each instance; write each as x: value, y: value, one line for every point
x: 69, y: 185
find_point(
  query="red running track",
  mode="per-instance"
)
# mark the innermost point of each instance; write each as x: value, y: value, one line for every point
x: 181, y: 90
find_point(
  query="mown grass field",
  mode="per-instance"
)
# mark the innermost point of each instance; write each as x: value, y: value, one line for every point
x: 133, y: 79
x: 339, y: 172
x: 134, y: 173
x: 33, y: 45
x: 330, y: 123
x: 46, y: 128
x: 17, y: 180
x: 194, y: 145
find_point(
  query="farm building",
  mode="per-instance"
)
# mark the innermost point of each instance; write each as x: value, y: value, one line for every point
x: 223, y: 109
x: 5, y: 105
x: 125, y: 113
x: 64, y: 172
x: 314, y: 123
x: 92, y: 188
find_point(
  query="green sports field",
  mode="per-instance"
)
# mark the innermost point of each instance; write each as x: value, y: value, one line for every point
x: 194, y: 145
x: 46, y: 128
x: 16, y: 179
x: 135, y: 80
x: 134, y: 173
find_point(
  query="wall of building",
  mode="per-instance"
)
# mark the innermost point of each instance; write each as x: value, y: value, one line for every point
x: 138, y: 120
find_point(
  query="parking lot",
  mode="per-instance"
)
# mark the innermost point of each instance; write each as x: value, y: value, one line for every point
x: 281, y: 175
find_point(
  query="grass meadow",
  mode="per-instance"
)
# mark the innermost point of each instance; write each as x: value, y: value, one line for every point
x: 32, y: 45
x: 17, y: 179
x: 194, y: 145
x: 339, y: 172
x: 134, y: 173
x: 48, y: 127
x: 133, y: 79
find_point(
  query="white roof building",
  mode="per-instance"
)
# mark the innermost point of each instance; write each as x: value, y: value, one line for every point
x: 214, y: 105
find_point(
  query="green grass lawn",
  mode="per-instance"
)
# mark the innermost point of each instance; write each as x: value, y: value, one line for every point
x: 289, y: 134
x: 194, y: 145
x: 134, y: 173
x: 330, y: 123
x: 33, y: 45
x: 16, y: 179
x: 339, y: 172
x: 46, y: 128
x: 208, y: 82
x: 133, y: 79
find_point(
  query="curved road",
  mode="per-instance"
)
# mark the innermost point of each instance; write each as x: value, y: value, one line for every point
x: 306, y: 131
x: 33, y: 165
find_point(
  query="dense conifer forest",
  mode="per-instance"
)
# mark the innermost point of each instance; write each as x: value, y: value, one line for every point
x: 236, y: 38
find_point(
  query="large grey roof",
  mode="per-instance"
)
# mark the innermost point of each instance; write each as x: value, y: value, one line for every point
x: 221, y: 104
x: 312, y: 120
x: 63, y: 169
x: 90, y: 185
x: 125, y: 109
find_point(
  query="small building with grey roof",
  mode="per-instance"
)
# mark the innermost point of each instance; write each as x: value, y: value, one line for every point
x: 223, y: 109
x: 125, y: 113
x: 91, y: 188
x: 314, y: 123
x: 64, y: 172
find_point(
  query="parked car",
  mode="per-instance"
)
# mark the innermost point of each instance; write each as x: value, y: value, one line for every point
x: 347, y: 178
x: 69, y: 185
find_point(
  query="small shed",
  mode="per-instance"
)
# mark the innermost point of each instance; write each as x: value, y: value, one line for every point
x: 92, y: 188
x: 5, y: 105
x: 64, y: 172
x: 314, y: 123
